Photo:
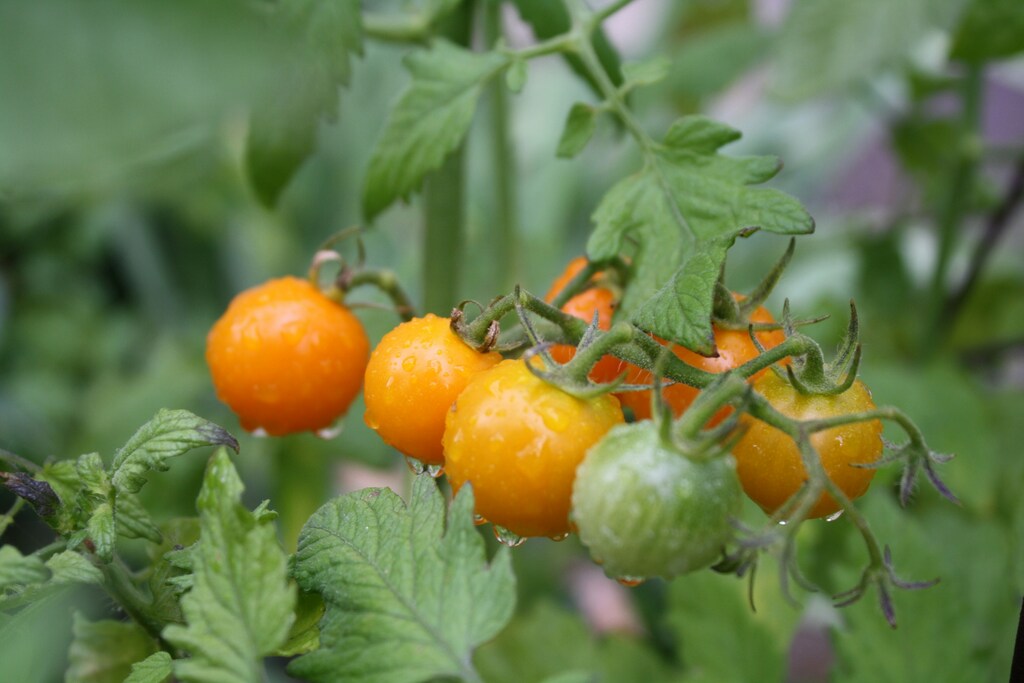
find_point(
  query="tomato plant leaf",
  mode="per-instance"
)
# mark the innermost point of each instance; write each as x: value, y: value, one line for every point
x: 828, y: 45
x: 133, y: 521
x: 408, y: 596
x: 579, y: 128
x: 428, y: 122
x: 989, y: 29
x: 58, y: 572
x: 17, y: 569
x: 240, y: 606
x: 155, y: 668
x: 684, y: 208
x: 169, y: 434
x: 646, y: 72
x: 104, y: 651
x: 283, y: 127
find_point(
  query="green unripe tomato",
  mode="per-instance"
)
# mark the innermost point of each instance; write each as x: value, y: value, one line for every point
x: 645, y: 509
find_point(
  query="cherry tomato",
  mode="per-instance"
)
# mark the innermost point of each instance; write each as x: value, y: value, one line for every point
x: 596, y: 299
x: 286, y: 358
x: 734, y: 349
x: 768, y: 461
x: 518, y: 440
x: 414, y: 376
x: 644, y: 508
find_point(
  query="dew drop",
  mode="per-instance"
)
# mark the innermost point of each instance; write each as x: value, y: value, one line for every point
x: 409, y: 363
x: 479, y: 520
x: 509, y: 538
x: 260, y: 433
x: 559, y: 537
x: 434, y: 470
x: 631, y: 581
x: 371, y: 422
x: 834, y: 516
x: 415, y: 466
x: 782, y: 522
x: 328, y: 433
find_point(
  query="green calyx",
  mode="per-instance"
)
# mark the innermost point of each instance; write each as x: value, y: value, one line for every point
x: 811, y: 374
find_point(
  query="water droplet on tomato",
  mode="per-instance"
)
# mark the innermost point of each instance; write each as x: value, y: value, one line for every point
x: 509, y: 538
x: 559, y: 537
x: 259, y: 433
x: 409, y: 363
x: 631, y: 581
x: 328, y: 433
x: 479, y: 520
x: 834, y: 516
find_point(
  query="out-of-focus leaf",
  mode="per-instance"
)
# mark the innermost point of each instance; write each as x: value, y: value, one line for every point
x: 707, y: 62
x: 826, y: 45
x: 29, y: 639
x: 155, y: 668
x: 684, y: 209
x: 104, y: 651
x: 720, y: 638
x: 524, y: 652
x: 428, y: 122
x: 989, y: 29
x: 240, y: 607
x: 94, y: 91
x: 17, y: 569
x: 408, y: 596
x: 579, y: 128
x: 283, y: 127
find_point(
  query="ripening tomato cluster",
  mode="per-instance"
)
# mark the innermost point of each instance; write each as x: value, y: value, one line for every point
x: 287, y: 358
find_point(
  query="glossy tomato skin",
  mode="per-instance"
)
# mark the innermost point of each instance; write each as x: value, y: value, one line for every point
x: 596, y: 299
x: 645, y: 509
x: 414, y: 375
x: 518, y: 440
x: 734, y: 349
x: 286, y: 358
x: 768, y: 461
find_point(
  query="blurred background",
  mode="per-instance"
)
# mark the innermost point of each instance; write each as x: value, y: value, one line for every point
x: 128, y: 220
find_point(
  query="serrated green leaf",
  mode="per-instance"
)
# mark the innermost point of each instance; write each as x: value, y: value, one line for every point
x: 428, y: 122
x: 169, y: 434
x: 515, y: 77
x: 989, y: 29
x: 408, y: 597
x: 646, y: 72
x: 579, y: 128
x: 684, y: 208
x: 171, y: 560
x: 155, y: 668
x: 18, y: 570
x: 133, y: 521
x: 283, y: 129
x: 56, y: 573
x: 240, y: 606
x: 825, y: 45
x: 71, y: 567
x: 101, y: 530
x: 104, y: 651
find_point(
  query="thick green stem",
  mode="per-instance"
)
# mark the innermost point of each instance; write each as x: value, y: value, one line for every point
x: 961, y: 183
x: 302, y: 480
x: 118, y: 583
x: 506, y: 220
x: 443, y: 203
